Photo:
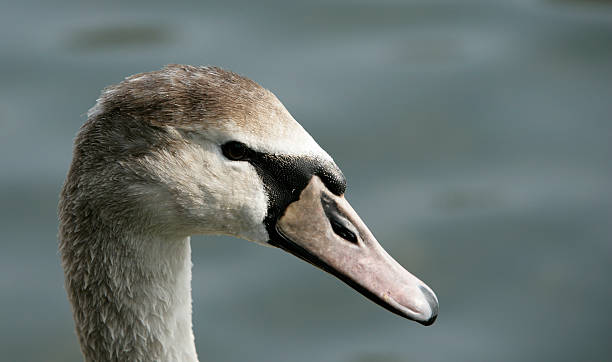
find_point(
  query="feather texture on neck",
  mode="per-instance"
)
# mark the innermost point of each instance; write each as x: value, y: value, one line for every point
x: 131, y: 298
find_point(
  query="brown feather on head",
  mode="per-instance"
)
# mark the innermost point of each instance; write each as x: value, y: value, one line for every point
x: 190, y: 97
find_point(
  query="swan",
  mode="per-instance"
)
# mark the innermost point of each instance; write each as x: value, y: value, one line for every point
x: 200, y: 150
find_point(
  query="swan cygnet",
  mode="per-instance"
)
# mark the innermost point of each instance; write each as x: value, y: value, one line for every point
x: 199, y: 150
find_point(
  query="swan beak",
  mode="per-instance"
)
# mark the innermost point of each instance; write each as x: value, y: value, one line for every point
x: 324, y: 230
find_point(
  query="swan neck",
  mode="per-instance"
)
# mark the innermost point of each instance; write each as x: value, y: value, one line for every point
x: 131, y: 299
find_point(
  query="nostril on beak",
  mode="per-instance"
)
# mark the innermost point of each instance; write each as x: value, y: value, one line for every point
x: 433, y: 305
x: 339, y: 223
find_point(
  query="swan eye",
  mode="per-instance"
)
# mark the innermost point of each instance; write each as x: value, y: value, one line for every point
x: 235, y: 151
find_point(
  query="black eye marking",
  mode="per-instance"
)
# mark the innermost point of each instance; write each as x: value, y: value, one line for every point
x: 285, y: 176
x: 235, y: 151
x: 341, y: 226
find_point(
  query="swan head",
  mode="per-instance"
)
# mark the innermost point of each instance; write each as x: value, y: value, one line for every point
x: 199, y: 150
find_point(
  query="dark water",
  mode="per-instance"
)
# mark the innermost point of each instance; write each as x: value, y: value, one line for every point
x: 476, y: 138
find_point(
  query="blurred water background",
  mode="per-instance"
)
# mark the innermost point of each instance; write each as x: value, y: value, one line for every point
x: 475, y: 135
